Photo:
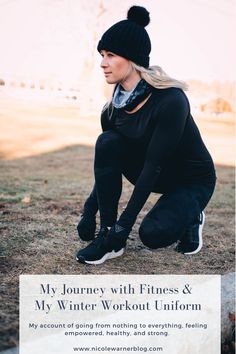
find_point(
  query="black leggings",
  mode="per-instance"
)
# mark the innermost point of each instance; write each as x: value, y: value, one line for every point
x: 172, y: 214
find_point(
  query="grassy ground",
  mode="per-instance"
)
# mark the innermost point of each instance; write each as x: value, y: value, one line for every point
x: 40, y: 202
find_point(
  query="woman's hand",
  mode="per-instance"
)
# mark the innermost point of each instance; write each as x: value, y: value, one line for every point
x: 117, y: 236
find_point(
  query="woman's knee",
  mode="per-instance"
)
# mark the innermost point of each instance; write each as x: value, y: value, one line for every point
x: 155, y: 235
x: 109, y: 141
x: 109, y: 150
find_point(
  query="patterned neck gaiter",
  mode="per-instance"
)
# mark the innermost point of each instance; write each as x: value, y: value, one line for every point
x: 128, y: 100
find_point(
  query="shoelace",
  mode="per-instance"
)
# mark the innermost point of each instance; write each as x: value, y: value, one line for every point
x: 100, y: 238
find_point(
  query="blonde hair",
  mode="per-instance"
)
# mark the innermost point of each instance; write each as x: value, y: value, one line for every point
x: 156, y: 77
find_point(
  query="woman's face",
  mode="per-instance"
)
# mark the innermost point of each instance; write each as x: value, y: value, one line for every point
x: 116, y: 69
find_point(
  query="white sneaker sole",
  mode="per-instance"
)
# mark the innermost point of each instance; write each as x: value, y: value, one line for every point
x: 107, y: 256
x: 200, y: 236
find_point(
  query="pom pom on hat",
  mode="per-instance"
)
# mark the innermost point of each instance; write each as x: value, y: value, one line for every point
x: 139, y: 15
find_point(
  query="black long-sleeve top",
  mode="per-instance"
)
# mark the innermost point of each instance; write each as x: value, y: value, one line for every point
x: 163, y: 134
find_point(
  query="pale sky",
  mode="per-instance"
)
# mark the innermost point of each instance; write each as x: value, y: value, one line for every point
x: 191, y: 39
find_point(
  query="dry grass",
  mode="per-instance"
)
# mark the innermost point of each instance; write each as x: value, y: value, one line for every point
x: 40, y: 202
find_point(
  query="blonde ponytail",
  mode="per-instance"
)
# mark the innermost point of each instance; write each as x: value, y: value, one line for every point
x: 156, y: 77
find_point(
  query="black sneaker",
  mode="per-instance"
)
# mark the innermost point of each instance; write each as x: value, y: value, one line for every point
x: 86, y: 227
x: 192, y: 242
x: 102, y: 248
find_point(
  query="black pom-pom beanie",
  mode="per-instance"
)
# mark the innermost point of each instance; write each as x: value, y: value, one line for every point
x: 129, y: 38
